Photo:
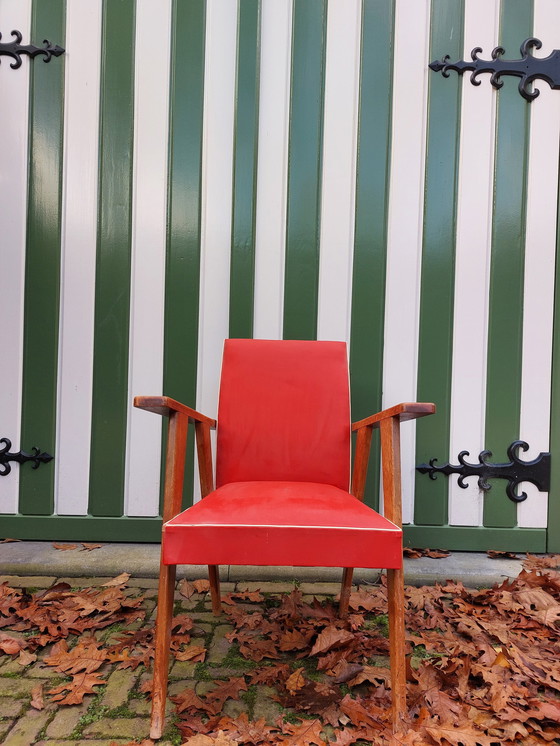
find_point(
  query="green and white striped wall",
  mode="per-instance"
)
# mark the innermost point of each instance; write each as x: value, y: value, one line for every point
x: 191, y: 170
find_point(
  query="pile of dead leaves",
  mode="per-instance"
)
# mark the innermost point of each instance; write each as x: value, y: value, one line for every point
x: 485, y: 668
x: 484, y: 665
x: 50, y: 617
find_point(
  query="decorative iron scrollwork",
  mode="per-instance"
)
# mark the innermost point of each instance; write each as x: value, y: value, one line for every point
x: 515, y: 471
x: 15, y: 49
x: 38, y: 457
x: 528, y: 68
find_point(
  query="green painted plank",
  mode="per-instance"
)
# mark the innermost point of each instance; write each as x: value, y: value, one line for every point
x: 553, y: 523
x: 475, y: 538
x: 80, y: 528
x: 42, y: 263
x: 112, y: 285
x: 182, y: 276
x: 505, y: 322
x: 435, y: 345
x: 242, y: 268
x: 370, y: 235
x: 304, y: 169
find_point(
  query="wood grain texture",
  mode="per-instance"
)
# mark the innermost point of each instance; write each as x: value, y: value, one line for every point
x: 165, y: 405
x: 361, y: 460
x: 392, y: 504
x: 404, y: 411
x: 167, y: 575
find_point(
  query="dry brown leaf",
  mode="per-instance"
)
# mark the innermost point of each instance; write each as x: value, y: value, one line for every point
x: 194, y: 653
x: 305, y: 733
x: 119, y: 580
x: 329, y: 638
x: 186, y: 589
x: 25, y: 658
x: 496, y: 554
x: 76, y: 689
x: 37, y: 697
x: 89, y: 547
x: 536, y: 562
x: 8, y: 541
x: 65, y: 547
x: 295, y: 681
x: 10, y: 645
x: 201, y: 586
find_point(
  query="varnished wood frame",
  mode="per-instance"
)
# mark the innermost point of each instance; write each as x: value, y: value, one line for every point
x: 388, y: 421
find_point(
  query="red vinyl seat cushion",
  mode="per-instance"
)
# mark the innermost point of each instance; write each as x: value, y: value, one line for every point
x: 282, y: 523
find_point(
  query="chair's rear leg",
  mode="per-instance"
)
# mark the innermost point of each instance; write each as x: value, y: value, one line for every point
x: 345, y: 589
x: 395, y: 595
x: 162, y: 645
x: 214, y: 577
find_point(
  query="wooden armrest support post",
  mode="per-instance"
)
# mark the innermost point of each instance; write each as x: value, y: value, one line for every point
x: 388, y: 421
x: 179, y: 418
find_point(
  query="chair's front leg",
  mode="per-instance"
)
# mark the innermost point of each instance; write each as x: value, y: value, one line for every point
x: 395, y: 595
x: 345, y: 589
x: 162, y: 644
x: 214, y: 578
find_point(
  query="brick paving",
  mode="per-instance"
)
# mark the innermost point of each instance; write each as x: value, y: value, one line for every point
x: 119, y: 713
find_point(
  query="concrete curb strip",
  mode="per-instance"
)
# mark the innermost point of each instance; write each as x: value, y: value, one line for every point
x: 40, y: 558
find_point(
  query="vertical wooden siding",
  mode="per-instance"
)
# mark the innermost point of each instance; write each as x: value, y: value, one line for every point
x: 288, y: 168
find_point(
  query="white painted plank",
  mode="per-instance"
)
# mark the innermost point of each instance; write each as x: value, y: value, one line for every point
x: 472, y: 265
x: 272, y: 168
x: 217, y: 165
x: 145, y: 372
x: 14, y: 94
x: 404, y: 241
x: 540, y: 249
x: 79, y: 232
x: 338, y: 194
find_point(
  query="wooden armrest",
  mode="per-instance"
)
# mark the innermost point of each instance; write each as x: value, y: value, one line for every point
x: 164, y: 405
x: 404, y: 411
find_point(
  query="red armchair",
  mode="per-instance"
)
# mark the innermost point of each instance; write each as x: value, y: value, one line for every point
x: 281, y: 495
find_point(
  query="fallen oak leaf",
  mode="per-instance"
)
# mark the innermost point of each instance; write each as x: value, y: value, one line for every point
x: 25, y: 658
x: 202, y: 586
x: 77, y: 688
x: 246, y: 731
x: 65, y: 547
x: 296, y: 681
x: 119, y: 580
x: 89, y: 547
x: 186, y: 589
x: 37, y: 701
x: 194, y: 653
x: 253, y: 596
x: 202, y: 740
x: 462, y: 735
x: 329, y: 638
x: 10, y: 645
x: 534, y: 562
x: 8, y: 541
x: 305, y: 733
x: 86, y: 656
x: 496, y: 554
x: 227, y: 690
x: 188, y: 699
x: 411, y: 553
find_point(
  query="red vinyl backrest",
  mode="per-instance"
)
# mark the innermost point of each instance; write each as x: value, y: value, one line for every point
x: 284, y: 412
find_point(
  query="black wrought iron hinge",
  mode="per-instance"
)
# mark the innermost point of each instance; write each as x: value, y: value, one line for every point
x: 38, y: 457
x: 515, y: 471
x: 528, y: 68
x: 15, y: 49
